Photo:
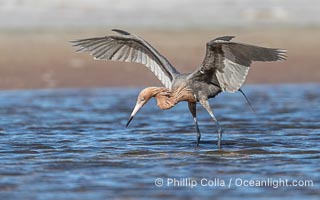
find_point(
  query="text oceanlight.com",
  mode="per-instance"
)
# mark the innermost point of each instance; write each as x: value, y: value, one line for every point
x: 231, y: 182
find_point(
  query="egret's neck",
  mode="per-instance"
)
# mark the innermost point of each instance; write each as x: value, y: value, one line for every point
x: 155, y: 91
x: 165, y: 102
x: 163, y: 96
x: 167, y: 99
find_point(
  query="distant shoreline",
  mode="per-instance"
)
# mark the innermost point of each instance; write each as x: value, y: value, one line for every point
x: 45, y: 59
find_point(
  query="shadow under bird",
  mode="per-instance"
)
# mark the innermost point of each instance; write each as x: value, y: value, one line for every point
x: 224, y: 69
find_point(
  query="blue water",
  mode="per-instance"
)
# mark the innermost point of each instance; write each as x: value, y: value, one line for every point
x: 72, y: 144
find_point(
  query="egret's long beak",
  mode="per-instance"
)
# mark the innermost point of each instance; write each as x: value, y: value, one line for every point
x: 134, y: 112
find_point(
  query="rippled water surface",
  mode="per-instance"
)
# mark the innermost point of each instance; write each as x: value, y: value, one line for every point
x: 72, y: 144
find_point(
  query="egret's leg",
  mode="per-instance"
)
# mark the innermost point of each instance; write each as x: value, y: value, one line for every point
x: 206, y: 105
x: 193, y: 110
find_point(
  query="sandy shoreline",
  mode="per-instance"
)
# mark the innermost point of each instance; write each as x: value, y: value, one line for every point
x: 45, y: 59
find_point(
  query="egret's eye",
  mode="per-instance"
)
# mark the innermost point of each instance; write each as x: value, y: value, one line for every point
x: 142, y: 99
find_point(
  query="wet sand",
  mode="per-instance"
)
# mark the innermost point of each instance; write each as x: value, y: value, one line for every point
x: 45, y: 59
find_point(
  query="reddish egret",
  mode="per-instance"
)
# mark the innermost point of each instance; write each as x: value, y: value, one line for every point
x: 224, y: 69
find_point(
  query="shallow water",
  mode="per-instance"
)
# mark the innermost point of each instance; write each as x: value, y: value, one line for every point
x: 72, y: 144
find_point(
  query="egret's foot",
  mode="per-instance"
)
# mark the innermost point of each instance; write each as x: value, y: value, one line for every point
x: 220, y: 131
x: 198, y: 139
x: 219, y: 144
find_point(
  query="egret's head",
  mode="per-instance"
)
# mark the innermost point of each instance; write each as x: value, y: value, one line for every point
x: 144, y: 96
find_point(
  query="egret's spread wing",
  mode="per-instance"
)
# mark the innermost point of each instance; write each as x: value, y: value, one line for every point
x: 128, y: 48
x: 227, y: 63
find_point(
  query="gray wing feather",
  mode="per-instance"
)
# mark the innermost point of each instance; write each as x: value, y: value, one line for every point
x: 229, y: 62
x: 129, y: 48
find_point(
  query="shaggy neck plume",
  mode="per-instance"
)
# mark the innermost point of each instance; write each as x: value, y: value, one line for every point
x: 166, y: 99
